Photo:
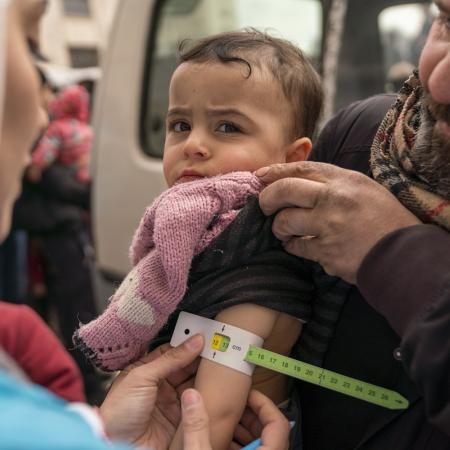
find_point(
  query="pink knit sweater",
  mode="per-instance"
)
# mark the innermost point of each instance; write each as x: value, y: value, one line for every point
x: 179, y: 224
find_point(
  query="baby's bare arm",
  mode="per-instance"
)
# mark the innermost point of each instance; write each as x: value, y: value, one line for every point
x: 225, y: 390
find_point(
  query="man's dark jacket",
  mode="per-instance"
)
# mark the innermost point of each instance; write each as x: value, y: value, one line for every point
x: 394, y: 331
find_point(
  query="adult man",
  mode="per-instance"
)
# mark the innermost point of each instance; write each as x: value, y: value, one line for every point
x: 393, y: 243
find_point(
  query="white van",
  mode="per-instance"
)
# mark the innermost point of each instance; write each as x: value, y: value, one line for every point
x: 363, y: 41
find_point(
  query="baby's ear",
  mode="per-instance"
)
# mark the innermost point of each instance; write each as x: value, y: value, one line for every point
x: 299, y: 150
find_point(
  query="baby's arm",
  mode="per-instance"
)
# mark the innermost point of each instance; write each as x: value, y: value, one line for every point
x: 225, y: 390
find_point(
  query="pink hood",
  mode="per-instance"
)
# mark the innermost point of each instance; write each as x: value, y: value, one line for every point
x: 71, y: 103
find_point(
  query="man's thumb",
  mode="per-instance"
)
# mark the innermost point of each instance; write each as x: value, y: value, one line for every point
x: 195, y: 421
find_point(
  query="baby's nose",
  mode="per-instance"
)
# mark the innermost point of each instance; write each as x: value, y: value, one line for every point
x: 195, y: 148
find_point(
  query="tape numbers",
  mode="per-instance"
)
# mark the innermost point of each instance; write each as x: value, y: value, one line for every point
x: 220, y: 342
x: 326, y: 378
x: 241, y: 350
x: 224, y: 343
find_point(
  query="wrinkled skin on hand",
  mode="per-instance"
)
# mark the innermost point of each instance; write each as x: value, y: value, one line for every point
x: 330, y: 215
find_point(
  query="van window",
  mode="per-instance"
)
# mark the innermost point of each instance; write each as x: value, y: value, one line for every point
x: 297, y: 20
x: 403, y: 31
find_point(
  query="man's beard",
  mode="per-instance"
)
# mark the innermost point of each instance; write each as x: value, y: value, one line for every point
x: 433, y: 146
x: 441, y: 114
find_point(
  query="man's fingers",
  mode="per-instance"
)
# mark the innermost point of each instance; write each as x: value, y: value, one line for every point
x: 290, y: 192
x: 301, y: 169
x: 275, y: 434
x: 292, y: 222
x: 195, y: 421
x: 172, y: 360
x: 304, y: 247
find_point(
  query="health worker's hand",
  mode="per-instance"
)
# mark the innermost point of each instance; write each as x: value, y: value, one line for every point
x: 143, y: 404
x: 328, y: 214
x: 262, y: 419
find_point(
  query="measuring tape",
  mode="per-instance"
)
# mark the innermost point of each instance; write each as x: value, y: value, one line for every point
x: 240, y: 350
x: 326, y: 378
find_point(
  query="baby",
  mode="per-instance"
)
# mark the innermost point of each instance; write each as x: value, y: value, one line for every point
x: 237, y: 102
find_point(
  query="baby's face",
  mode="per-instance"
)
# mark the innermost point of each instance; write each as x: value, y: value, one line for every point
x: 219, y: 121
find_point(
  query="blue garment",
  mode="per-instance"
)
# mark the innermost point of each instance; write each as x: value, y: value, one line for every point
x: 33, y: 419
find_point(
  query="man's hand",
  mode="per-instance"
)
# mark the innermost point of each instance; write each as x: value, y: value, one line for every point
x: 330, y: 215
x: 143, y: 406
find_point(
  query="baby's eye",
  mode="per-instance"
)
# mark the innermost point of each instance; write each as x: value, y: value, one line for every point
x: 228, y: 127
x: 180, y: 126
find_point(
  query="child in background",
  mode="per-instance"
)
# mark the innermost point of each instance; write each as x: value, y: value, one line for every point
x: 68, y: 139
x: 237, y: 102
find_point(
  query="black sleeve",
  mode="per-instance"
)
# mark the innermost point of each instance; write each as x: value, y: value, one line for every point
x: 60, y: 183
x: 406, y: 277
x: 347, y: 138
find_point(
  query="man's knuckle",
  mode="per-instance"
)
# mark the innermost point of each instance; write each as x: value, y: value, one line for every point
x: 336, y: 223
x: 299, y: 169
x: 281, y: 222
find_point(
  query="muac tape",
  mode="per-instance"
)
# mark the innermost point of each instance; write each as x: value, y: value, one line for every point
x: 241, y: 350
x: 224, y: 344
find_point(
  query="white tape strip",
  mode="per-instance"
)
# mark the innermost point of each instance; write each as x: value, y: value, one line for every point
x: 224, y: 344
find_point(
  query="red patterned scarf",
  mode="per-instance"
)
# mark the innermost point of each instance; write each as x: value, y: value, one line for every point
x: 410, y: 155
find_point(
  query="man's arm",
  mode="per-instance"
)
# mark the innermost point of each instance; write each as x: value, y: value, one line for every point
x: 402, y: 271
x: 406, y: 277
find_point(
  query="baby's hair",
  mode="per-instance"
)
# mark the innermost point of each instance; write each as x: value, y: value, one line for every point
x: 297, y: 77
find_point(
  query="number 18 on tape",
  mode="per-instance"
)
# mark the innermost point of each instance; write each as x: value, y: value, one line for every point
x: 326, y: 378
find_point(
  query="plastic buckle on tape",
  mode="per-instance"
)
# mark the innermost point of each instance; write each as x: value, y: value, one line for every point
x: 224, y: 344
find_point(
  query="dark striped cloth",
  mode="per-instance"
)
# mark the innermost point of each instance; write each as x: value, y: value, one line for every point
x: 247, y: 264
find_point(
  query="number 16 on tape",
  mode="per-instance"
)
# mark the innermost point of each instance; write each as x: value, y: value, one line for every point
x: 326, y: 378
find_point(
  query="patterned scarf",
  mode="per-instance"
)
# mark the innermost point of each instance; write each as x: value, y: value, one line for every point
x: 411, y: 157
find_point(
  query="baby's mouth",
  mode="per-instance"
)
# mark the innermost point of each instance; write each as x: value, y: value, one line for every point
x: 188, y: 178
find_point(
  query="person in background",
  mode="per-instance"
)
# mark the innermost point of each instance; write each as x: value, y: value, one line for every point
x: 13, y: 267
x: 53, y: 210
x: 68, y: 139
